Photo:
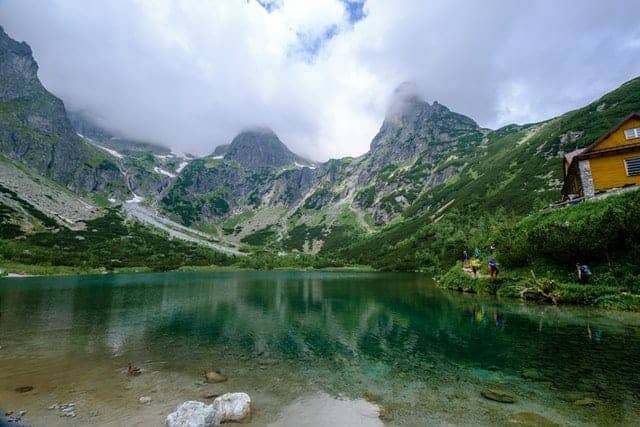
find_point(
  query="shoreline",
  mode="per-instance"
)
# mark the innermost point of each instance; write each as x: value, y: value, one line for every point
x: 61, y: 271
x: 547, y: 291
x: 455, y: 279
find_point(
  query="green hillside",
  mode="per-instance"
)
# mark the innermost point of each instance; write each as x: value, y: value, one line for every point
x: 515, y: 171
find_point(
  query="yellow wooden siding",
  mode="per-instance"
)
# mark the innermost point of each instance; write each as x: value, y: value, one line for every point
x: 610, y: 171
x: 617, y: 138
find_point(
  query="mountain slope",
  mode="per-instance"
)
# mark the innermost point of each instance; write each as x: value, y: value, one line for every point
x: 516, y: 170
x: 35, y: 130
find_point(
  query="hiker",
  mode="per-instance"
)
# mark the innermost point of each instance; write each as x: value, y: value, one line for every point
x: 492, y: 248
x: 475, y: 265
x: 465, y: 259
x: 583, y: 272
x: 493, y: 267
x: 477, y: 253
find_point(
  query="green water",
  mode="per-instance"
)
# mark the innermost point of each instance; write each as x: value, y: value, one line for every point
x: 421, y: 353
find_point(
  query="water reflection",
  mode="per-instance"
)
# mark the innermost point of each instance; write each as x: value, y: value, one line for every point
x: 344, y: 330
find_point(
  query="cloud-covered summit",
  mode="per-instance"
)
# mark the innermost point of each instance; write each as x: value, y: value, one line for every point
x: 192, y: 74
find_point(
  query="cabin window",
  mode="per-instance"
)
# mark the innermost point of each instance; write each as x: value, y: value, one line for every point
x: 632, y: 133
x: 632, y: 166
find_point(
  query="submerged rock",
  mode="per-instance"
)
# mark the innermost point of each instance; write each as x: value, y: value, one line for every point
x: 145, y: 400
x: 214, y: 377
x: 497, y: 395
x: 194, y: 414
x: 233, y: 406
x: 23, y: 389
x: 530, y: 419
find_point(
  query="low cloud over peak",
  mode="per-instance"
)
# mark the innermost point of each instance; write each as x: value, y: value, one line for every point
x: 193, y: 74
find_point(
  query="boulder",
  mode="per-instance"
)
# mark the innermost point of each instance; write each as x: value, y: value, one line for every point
x: 194, y: 414
x: 233, y: 406
x: 497, y: 395
x: 228, y: 407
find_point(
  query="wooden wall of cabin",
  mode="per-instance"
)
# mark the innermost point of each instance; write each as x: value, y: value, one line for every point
x: 610, y: 171
x: 617, y: 138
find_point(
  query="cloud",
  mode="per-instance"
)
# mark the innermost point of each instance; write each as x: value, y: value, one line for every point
x: 191, y: 74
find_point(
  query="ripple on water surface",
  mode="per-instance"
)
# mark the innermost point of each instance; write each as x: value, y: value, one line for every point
x: 305, y: 344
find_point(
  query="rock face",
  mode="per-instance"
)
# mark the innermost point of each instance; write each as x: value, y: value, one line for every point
x: 228, y: 407
x: 256, y: 170
x: 260, y: 148
x: 35, y: 129
x: 413, y: 127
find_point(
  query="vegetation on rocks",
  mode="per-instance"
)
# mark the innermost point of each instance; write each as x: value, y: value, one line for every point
x: 107, y: 243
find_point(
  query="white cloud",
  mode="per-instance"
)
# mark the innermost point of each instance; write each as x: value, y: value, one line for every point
x: 193, y: 73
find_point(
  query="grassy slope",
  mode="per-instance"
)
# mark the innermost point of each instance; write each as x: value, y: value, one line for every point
x: 604, y: 234
x: 108, y: 243
x: 516, y: 171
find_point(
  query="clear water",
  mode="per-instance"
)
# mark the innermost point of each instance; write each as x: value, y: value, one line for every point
x: 422, y: 354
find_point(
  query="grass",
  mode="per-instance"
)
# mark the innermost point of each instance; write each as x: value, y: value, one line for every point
x: 566, y: 293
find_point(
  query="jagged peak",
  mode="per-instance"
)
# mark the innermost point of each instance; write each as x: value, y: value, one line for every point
x: 407, y: 100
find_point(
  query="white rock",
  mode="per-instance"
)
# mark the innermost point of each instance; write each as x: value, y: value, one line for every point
x: 145, y: 400
x: 233, y: 406
x: 194, y: 414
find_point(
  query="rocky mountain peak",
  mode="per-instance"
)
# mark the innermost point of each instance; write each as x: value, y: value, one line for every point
x: 259, y: 147
x: 413, y: 127
x: 18, y: 69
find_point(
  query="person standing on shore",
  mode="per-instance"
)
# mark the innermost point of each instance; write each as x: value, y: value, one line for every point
x: 475, y: 265
x: 465, y: 259
x: 493, y: 267
x: 583, y: 272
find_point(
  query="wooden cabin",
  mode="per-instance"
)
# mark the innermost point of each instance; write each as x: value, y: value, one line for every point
x: 613, y: 161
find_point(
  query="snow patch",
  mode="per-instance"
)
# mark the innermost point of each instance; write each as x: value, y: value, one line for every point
x: 112, y: 200
x: 135, y: 199
x: 114, y: 153
x: 181, y: 166
x: 161, y: 171
x: 304, y: 166
x: 217, y: 157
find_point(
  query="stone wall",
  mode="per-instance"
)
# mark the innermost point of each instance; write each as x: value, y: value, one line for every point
x: 588, y: 190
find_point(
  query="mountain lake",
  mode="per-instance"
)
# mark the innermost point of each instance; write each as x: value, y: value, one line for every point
x: 311, y: 349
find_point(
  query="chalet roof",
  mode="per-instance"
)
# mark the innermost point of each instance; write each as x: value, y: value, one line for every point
x: 583, y: 153
x: 568, y: 157
x: 635, y: 115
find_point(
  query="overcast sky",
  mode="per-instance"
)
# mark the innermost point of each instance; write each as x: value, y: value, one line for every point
x: 192, y: 73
